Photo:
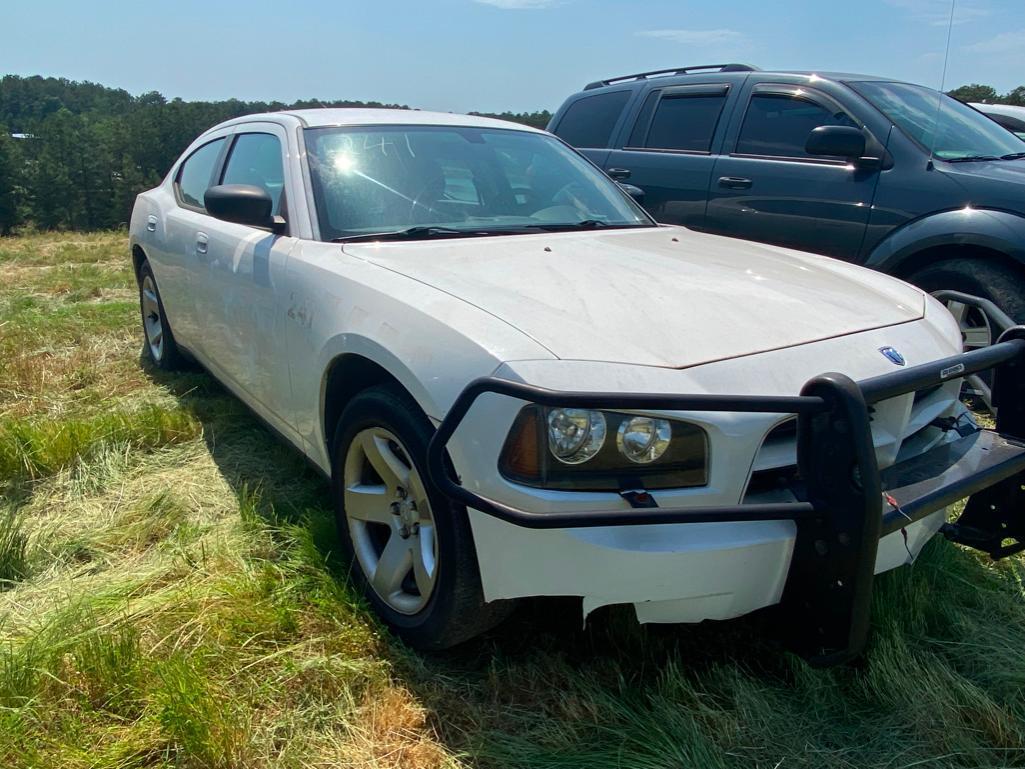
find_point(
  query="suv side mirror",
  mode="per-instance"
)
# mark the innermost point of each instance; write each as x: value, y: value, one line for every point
x: 836, y: 140
x: 635, y: 192
x: 243, y: 204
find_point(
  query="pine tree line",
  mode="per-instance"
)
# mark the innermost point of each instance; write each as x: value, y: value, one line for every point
x: 73, y: 155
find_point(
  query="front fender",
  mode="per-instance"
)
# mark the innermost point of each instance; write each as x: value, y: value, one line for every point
x: 365, y: 347
x: 968, y: 227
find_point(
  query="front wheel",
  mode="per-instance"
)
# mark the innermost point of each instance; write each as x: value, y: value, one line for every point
x: 411, y: 549
x: 991, y: 280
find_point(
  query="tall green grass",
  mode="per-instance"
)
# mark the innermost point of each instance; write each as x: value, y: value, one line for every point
x: 33, y: 448
x: 14, y: 565
x: 170, y: 595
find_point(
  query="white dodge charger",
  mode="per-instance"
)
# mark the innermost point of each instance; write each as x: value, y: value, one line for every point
x: 521, y: 385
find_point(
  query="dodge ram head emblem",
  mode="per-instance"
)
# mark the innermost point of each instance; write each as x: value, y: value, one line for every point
x: 893, y: 356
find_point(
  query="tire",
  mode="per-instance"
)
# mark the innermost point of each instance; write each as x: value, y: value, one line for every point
x: 158, y: 340
x: 1000, y: 283
x: 393, y: 538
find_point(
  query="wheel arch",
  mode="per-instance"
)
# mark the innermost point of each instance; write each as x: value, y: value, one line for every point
x: 918, y: 260
x: 138, y: 257
x: 349, y: 371
x: 961, y: 234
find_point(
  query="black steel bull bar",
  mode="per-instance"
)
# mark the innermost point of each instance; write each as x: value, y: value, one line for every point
x: 849, y: 503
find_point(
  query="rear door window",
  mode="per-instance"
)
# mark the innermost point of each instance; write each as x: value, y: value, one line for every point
x: 778, y: 125
x: 588, y: 122
x: 195, y: 174
x: 685, y: 121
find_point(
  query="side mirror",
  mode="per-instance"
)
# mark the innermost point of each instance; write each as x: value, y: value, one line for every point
x: 635, y: 192
x: 836, y: 140
x: 243, y: 204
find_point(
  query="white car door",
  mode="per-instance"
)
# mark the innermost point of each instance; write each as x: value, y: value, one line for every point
x: 238, y: 281
x: 185, y: 240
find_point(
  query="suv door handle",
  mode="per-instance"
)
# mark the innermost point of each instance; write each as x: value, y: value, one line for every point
x: 735, y: 182
x: 619, y: 173
x: 201, y: 242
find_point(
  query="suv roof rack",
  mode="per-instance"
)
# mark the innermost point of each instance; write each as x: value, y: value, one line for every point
x: 673, y: 71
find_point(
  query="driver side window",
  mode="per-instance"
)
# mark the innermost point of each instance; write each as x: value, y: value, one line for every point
x: 255, y: 159
x: 778, y: 125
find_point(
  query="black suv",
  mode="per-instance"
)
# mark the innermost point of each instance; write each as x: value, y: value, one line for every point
x: 891, y: 175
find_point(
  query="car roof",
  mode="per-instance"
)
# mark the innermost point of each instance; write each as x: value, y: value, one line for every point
x: 681, y: 76
x: 356, y: 116
x: 843, y: 77
x: 1011, y: 110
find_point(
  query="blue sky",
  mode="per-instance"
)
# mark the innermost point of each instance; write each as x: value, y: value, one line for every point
x: 491, y: 54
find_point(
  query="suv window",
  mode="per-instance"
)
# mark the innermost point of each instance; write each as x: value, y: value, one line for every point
x: 779, y: 124
x: 588, y: 122
x: 685, y: 122
x: 195, y: 173
x: 256, y: 159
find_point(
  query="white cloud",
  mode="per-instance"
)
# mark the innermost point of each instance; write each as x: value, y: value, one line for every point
x: 1005, y: 42
x: 518, y: 5
x: 696, y: 36
x: 937, y: 12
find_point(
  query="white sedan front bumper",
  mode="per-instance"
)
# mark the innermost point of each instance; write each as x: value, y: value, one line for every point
x: 685, y: 572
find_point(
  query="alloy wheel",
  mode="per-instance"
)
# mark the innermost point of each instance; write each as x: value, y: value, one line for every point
x: 152, y: 326
x: 390, y: 520
x: 974, y: 325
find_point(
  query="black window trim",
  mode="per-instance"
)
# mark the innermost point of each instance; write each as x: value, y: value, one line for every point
x: 811, y: 95
x: 677, y: 92
x: 226, y: 158
x: 215, y: 172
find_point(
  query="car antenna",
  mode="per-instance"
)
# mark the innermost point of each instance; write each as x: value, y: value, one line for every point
x: 943, y: 84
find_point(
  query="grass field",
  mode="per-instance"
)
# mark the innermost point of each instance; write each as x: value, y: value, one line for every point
x: 169, y: 596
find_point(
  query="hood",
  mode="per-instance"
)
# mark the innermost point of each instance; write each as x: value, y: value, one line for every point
x: 662, y: 296
x: 992, y: 184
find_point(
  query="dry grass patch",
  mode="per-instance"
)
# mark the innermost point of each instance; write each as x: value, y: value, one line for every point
x: 170, y: 597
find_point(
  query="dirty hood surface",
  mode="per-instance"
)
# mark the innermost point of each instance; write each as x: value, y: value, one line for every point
x: 662, y: 296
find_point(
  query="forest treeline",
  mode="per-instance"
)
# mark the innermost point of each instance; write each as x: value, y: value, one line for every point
x: 73, y: 155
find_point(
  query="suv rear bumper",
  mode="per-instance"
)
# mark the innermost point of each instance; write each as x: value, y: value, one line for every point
x: 849, y: 504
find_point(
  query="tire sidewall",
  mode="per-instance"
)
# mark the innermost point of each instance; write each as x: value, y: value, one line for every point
x: 996, y: 282
x: 457, y: 565
x: 169, y: 359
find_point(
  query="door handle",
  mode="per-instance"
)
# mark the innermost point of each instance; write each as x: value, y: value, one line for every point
x: 619, y: 173
x: 201, y: 242
x: 151, y: 223
x: 735, y: 182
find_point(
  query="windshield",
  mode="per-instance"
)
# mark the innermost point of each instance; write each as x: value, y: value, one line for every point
x: 950, y: 129
x: 454, y: 180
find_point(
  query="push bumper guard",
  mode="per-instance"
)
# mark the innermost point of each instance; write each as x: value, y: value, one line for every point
x: 827, y: 595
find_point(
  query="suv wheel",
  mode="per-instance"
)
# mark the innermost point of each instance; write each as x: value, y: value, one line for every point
x: 988, y: 279
x: 160, y: 345
x: 411, y: 550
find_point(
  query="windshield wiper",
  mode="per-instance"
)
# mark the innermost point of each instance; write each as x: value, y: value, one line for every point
x: 584, y: 224
x: 411, y: 233
x: 971, y: 159
x: 1013, y: 156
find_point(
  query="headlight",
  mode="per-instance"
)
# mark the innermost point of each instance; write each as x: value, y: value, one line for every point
x: 643, y: 439
x: 564, y: 448
x: 575, y: 435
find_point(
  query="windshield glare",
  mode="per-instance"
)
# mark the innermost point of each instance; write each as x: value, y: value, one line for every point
x: 390, y: 178
x: 939, y: 123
